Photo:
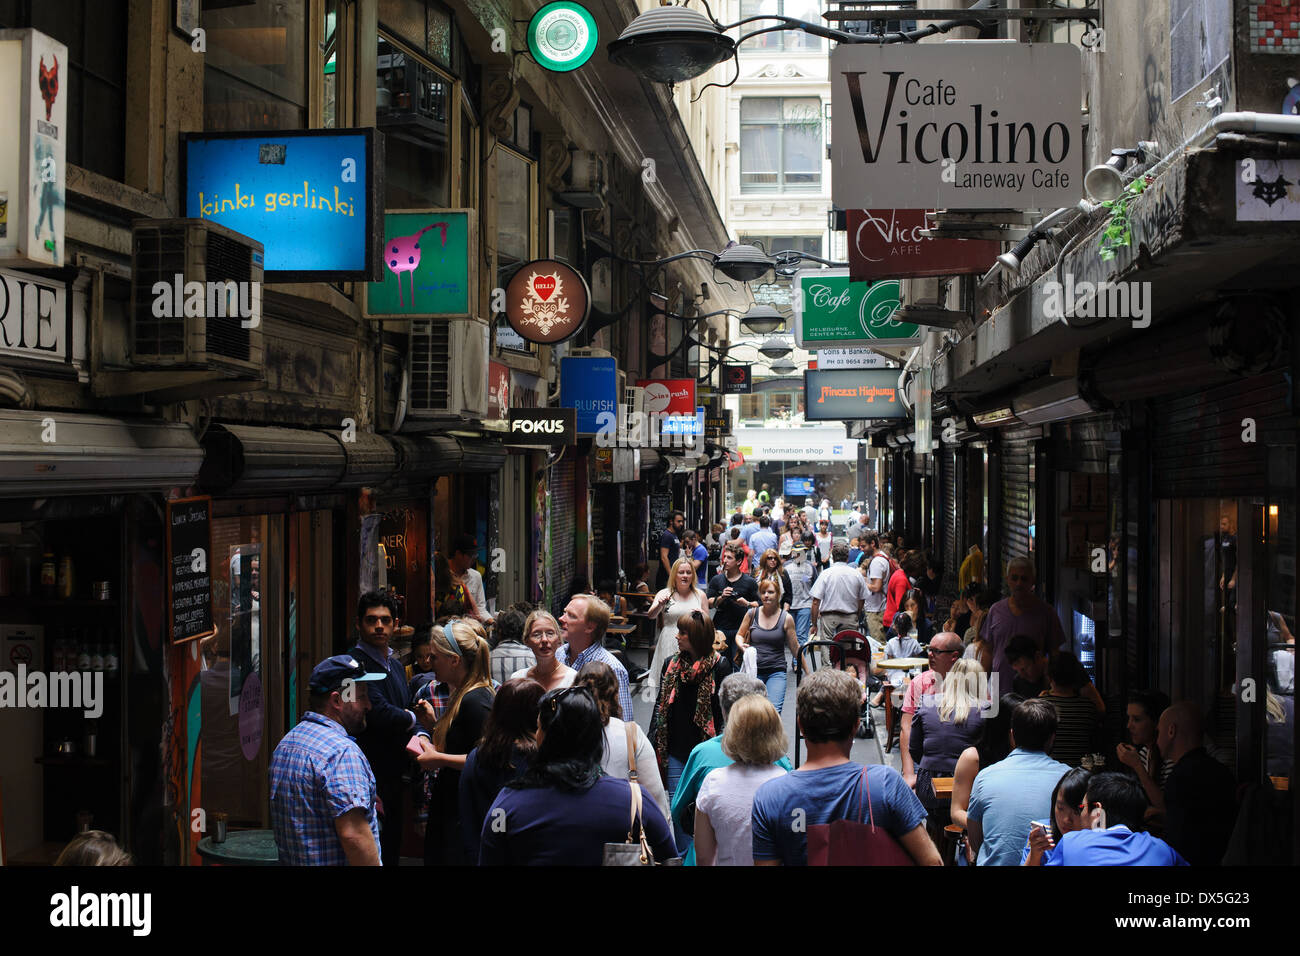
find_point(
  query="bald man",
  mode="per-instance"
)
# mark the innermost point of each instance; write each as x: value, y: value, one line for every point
x: 1200, y: 793
x: 944, y: 650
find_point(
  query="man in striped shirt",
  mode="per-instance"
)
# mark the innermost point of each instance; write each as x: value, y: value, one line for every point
x: 322, y: 788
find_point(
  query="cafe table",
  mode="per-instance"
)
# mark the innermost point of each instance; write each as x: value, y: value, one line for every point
x: 240, y: 848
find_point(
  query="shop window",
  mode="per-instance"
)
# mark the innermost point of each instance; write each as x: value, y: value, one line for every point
x: 809, y: 244
x: 255, y: 76
x: 752, y: 408
x: 94, y: 78
x: 780, y: 144
x: 421, y: 25
x: 242, y: 676
x: 329, y: 50
x: 467, y: 153
x: 516, y: 192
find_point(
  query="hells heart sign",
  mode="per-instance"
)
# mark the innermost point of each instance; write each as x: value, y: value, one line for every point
x: 547, y: 301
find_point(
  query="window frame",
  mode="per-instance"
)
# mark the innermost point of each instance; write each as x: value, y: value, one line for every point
x: 781, y: 125
x: 534, y: 217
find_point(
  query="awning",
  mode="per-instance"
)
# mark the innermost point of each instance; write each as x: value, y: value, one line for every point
x: 92, y: 454
x: 426, y: 456
x: 252, y: 459
x: 481, y: 456
x: 1188, y: 237
x: 371, y: 459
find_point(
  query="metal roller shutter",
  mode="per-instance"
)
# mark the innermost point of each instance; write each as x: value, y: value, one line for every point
x: 1014, y: 450
x: 947, y: 520
x: 563, y: 481
x: 1198, y: 448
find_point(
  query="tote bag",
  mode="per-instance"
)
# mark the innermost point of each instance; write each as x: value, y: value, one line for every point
x: 848, y: 843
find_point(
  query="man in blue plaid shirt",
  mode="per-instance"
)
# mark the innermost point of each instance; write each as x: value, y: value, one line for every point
x: 584, y: 621
x: 322, y: 788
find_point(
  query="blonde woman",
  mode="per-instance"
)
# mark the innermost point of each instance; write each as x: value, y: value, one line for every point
x: 681, y: 597
x: 542, y: 635
x: 461, y: 660
x: 945, y: 724
x: 724, y: 808
x: 769, y: 568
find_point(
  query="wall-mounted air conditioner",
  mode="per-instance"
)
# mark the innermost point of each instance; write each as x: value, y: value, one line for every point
x: 927, y: 292
x: 196, y: 297
x: 588, y: 353
x: 586, y: 180
x: 449, y: 368
x: 634, y: 399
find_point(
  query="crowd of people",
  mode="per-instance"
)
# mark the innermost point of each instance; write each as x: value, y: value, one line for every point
x: 526, y: 750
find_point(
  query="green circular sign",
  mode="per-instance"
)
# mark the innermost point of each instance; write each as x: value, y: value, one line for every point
x: 562, y: 36
x: 878, y: 307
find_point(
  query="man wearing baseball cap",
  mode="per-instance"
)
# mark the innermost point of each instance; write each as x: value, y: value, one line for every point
x: 322, y: 788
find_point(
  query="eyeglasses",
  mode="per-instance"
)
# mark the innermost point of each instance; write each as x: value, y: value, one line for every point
x: 932, y: 651
x: 537, y: 632
x: 378, y: 619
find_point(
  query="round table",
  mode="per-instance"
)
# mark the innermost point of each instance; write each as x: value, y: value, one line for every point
x: 904, y: 663
x: 241, y: 848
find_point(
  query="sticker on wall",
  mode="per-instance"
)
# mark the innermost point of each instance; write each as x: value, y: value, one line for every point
x: 562, y: 36
x: 426, y: 264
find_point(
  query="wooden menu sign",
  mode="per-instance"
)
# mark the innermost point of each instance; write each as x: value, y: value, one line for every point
x: 189, y: 575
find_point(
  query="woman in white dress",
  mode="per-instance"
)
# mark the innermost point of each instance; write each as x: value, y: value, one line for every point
x: 682, y: 597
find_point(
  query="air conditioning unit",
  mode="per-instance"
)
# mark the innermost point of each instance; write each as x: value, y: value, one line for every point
x: 588, y: 353
x: 196, y: 297
x: 634, y: 399
x: 929, y: 292
x: 449, y: 368
x: 586, y: 181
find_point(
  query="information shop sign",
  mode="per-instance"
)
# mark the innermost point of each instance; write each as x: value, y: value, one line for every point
x: 832, y: 311
x: 956, y: 125
x: 852, y: 394
x: 189, y: 578
x: 887, y: 244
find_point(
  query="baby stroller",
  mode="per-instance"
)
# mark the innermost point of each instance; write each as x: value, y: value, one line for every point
x: 849, y: 647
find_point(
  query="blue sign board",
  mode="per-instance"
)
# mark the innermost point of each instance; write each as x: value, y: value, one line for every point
x: 307, y: 195
x: 681, y: 425
x: 799, y: 486
x: 590, y: 387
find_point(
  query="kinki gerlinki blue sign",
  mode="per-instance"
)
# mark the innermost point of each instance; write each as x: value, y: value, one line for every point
x: 306, y: 195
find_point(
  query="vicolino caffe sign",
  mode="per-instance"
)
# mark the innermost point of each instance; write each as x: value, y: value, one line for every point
x: 956, y: 126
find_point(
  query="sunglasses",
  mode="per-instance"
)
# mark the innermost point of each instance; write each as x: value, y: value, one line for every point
x: 572, y: 688
x: 932, y: 651
x: 379, y: 619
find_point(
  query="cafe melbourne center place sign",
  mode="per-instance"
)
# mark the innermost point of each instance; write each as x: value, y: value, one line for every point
x: 832, y: 311
x: 562, y: 36
x: 547, y: 301
x: 956, y: 125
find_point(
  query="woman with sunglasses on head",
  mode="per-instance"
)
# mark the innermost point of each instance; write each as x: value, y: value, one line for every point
x: 564, y: 809
x: 687, y: 711
x: 461, y: 660
x: 542, y: 635
x: 1021, y: 613
x: 682, y: 596
x: 769, y: 568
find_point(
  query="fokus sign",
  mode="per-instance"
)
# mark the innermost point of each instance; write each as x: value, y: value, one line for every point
x: 956, y: 126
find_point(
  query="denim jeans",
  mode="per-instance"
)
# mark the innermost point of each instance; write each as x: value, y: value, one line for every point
x: 775, y: 681
x: 802, y: 624
x: 675, y: 768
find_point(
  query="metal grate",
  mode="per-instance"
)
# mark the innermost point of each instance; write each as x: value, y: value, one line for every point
x: 430, y: 366
x: 159, y: 257
x: 227, y: 261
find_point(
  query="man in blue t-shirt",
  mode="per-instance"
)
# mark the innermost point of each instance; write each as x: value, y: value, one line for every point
x: 1115, y: 806
x: 1008, y: 795
x: 829, y: 786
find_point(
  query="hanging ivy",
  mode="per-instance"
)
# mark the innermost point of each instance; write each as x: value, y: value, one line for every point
x: 1118, y: 233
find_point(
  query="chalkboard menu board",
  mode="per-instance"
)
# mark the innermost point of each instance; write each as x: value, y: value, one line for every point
x: 661, y: 502
x: 189, y: 563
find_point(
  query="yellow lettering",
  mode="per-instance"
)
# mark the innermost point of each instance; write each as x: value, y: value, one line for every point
x: 284, y: 199
x: 270, y: 202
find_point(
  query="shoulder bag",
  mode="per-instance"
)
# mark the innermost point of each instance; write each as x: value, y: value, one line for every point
x: 849, y: 843
x: 634, y: 851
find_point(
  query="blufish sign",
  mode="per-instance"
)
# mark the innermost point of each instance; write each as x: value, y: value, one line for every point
x: 956, y: 126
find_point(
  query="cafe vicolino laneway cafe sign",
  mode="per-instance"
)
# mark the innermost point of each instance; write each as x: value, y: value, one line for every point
x: 956, y: 126
x: 547, y: 301
x: 831, y: 311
